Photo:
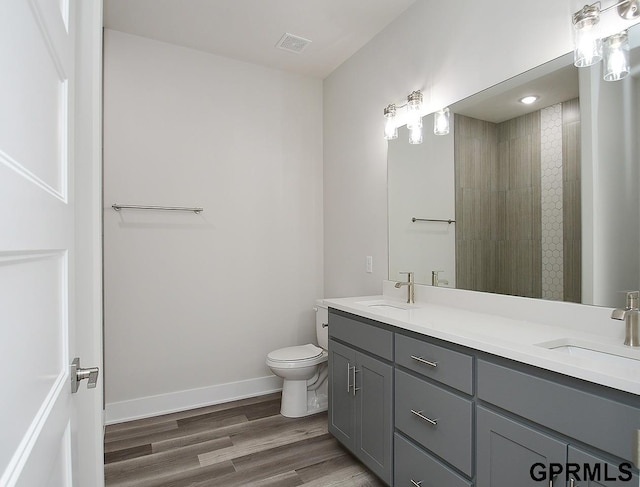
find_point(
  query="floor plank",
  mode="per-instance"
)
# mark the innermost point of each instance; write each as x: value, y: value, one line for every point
x: 235, y: 444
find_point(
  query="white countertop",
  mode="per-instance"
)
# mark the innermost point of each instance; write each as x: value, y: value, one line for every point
x: 506, y: 337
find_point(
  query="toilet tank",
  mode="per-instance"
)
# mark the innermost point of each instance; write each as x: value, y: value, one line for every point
x: 322, y: 320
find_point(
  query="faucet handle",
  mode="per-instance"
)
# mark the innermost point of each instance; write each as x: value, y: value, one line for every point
x: 632, y: 299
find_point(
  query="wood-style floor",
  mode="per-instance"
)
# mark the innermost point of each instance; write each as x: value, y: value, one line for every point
x: 243, y: 443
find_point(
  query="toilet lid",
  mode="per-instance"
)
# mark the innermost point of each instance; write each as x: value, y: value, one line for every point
x: 295, y: 353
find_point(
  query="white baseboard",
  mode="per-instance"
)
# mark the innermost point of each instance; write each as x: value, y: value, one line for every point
x: 144, y: 407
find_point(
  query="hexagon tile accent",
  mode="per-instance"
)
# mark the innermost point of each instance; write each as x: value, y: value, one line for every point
x: 551, y: 202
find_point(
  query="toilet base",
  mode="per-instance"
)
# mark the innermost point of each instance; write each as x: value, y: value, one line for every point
x: 297, y: 401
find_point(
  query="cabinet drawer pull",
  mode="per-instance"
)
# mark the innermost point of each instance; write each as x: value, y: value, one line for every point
x: 423, y: 361
x: 421, y: 416
x: 417, y: 484
x: 348, y: 377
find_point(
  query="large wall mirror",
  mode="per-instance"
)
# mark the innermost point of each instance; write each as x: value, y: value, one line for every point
x: 538, y: 200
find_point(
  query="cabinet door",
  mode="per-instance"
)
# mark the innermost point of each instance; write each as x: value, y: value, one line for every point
x: 591, y: 471
x: 342, y: 359
x: 374, y: 398
x: 509, y: 453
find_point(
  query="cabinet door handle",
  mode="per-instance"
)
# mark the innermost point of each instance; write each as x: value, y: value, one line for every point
x: 572, y: 482
x: 423, y: 361
x: 417, y: 484
x: 421, y: 416
x: 348, y: 377
x: 354, y: 380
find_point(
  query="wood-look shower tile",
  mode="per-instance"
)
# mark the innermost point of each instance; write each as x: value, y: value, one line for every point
x: 571, y: 136
x: 571, y: 111
x: 520, y: 162
x: 248, y: 443
x: 150, y: 466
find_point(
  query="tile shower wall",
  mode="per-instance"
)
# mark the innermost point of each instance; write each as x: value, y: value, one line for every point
x: 517, y: 204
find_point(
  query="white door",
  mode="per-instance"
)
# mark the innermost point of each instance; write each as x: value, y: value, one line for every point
x: 49, y: 242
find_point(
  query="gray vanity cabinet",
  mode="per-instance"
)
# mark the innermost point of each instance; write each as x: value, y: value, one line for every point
x: 361, y: 397
x: 445, y: 415
x: 600, y: 473
x: 509, y: 453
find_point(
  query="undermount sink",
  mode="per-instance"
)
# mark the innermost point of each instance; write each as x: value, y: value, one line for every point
x: 382, y: 304
x: 612, y: 354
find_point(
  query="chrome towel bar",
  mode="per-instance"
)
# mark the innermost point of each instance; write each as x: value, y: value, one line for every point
x: 414, y: 219
x: 164, y: 208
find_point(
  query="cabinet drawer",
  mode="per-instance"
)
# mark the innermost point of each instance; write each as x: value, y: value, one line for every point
x: 451, y: 437
x: 414, y: 465
x: 362, y: 335
x: 593, y: 419
x: 452, y: 368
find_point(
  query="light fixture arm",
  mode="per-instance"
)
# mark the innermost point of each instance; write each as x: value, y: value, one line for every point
x: 627, y: 9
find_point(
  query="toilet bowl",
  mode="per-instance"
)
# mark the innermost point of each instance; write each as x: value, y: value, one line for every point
x: 304, y: 371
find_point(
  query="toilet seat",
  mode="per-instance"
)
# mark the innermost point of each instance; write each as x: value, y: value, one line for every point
x: 299, y: 356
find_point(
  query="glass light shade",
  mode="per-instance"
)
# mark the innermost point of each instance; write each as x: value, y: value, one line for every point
x: 415, y: 135
x: 414, y: 110
x: 586, y: 38
x: 441, y: 122
x: 390, y: 124
x: 616, y: 56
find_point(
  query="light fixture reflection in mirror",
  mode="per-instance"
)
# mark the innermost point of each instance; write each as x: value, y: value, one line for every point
x: 599, y: 238
x: 441, y: 122
x: 616, y: 57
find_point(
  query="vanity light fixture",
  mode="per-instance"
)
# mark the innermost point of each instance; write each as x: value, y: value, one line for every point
x: 528, y: 100
x: 415, y: 135
x: 414, y: 109
x: 390, y: 124
x: 586, y: 38
x: 616, y: 56
x: 413, y: 118
x: 588, y: 44
x: 441, y: 122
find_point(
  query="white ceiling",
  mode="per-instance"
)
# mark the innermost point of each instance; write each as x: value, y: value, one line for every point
x: 248, y: 30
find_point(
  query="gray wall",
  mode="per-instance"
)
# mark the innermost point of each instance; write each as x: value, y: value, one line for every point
x: 193, y: 303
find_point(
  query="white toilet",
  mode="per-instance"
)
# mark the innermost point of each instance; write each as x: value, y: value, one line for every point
x: 304, y: 370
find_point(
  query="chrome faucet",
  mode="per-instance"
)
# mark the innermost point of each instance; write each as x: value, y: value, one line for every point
x: 410, y: 287
x: 435, y: 280
x: 630, y: 316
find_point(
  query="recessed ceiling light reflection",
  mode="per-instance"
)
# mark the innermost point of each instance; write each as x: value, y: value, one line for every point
x: 528, y: 100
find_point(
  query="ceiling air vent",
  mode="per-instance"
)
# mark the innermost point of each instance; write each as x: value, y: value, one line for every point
x: 292, y: 43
